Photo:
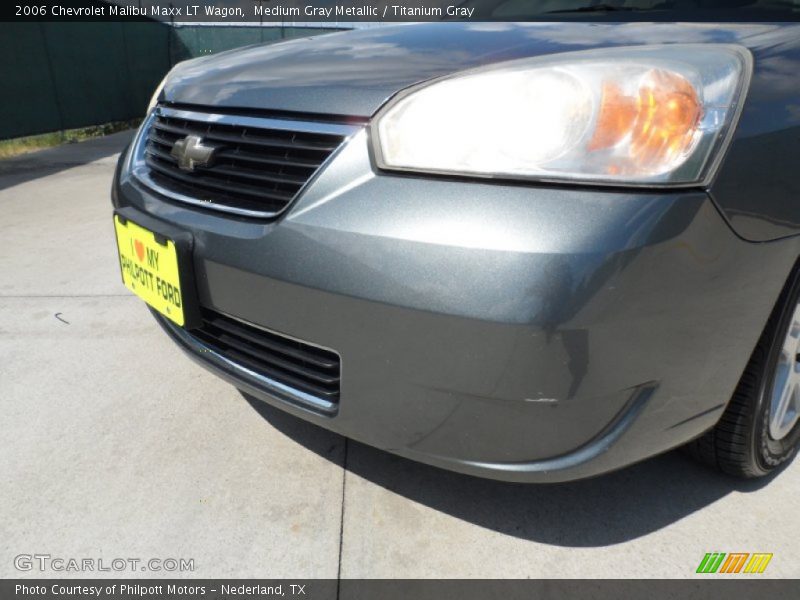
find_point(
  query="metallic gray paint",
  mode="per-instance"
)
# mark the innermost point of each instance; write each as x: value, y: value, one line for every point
x: 352, y: 74
x: 496, y: 329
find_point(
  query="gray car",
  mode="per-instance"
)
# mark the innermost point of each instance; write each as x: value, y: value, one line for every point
x: 531, y: 252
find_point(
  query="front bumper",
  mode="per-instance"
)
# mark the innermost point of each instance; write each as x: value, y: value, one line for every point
x: 515, y: 332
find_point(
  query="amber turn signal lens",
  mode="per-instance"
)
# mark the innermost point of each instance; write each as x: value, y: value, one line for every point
x: 659, y: 120
x: 617, y: 115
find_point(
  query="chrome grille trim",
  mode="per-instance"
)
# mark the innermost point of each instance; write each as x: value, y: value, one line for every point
x: 181, y: 191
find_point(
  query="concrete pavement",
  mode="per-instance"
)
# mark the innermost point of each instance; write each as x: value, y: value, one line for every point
x: 116, y: 445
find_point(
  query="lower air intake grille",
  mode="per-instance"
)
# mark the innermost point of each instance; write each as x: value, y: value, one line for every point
x: 253, y: 165
x: 296, y: 364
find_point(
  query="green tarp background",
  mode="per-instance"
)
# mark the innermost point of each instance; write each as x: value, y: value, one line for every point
x: 57, y: 76
x: 192, y: 41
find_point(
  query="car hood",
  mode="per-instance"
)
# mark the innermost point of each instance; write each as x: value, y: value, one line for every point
x: 353, y: 73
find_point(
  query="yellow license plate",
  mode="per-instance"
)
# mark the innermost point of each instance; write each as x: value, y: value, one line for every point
x: 150, y: 268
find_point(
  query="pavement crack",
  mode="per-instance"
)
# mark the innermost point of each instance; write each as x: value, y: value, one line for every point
x: 341, y: 521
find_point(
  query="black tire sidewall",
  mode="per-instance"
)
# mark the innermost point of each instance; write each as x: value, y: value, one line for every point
x: 770, y: 453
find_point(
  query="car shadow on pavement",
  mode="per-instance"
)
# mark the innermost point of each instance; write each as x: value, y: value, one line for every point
x: 606, y: 510
x: 26, y: 167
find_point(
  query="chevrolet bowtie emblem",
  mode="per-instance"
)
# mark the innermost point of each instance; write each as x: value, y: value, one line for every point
x: 191, y: 152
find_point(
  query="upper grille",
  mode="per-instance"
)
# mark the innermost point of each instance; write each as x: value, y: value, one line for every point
x: 258, y: 166
x: 298, y: 365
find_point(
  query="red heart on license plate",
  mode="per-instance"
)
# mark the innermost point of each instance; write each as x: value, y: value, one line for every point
x: 139, y: 247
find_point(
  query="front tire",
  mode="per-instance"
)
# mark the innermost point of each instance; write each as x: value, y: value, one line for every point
x: 760, y: 429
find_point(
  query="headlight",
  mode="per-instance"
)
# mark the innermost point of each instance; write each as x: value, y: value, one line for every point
x: 640, y: 115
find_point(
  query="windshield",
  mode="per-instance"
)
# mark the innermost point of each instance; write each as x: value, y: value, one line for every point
x: 616, y: 10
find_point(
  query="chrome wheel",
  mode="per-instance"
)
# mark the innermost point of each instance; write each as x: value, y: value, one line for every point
x: 785, y: 402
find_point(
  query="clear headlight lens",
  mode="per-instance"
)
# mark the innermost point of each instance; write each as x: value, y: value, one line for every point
x: 623, y: 116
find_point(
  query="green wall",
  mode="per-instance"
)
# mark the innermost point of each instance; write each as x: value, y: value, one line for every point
x: 65, y: 75
x: 192, y: 41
